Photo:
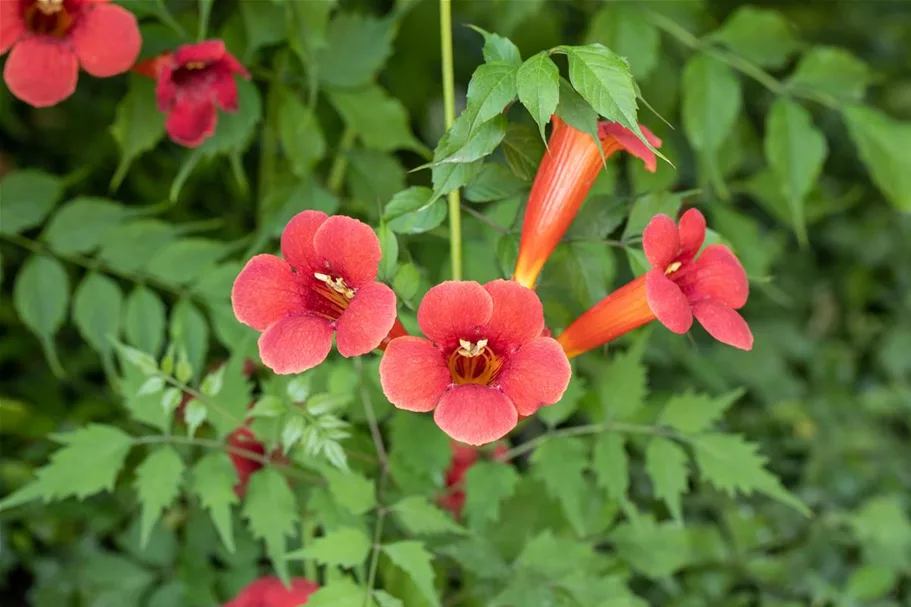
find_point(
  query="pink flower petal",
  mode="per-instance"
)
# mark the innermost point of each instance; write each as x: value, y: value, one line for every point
x: 41, y: 71
x: 454, y: 310
x: 265, y: 291
x: 106, y: 40
x: 413, y: 374
x: 723, y: 323
x: 191, y: 121
x: 12, y: 26
x: 667, y: 302
x: 661, y: 241
x: 368, y: 319
x: 295, y: 344
x: 518, y: 316
x: 475, y: 414
x: 348, y: 248
x: 297, y: 240
x: 225, y: 88
x: 716, y: 274
x: 206, y: 51
x: 536, y: 375
x: 243, y: 438
x: 692, y: 234
x: 631, y: 143
x: 272, y: 592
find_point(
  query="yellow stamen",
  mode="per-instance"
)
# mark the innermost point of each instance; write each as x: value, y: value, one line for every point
x: 474, y: 363
x: 470, y: 350
x: 337, y: 284
x: 49, y: 7
x: 673, y: 268
x: 195, y: 65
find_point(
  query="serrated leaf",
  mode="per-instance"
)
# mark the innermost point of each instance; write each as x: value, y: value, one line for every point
x: 28, y: 196
x: 832, y: 71
x: 423, y: 518
x: 796, y: 151
x: 88, y: 462
x: 343, y: 547
x: 190, y: 332
x: 157, y: 484
x: 413, y: 559
x: 624, y: 384
x: 419, y: 466
x: 495, y: 181
x: 41, y: 294
x: 665, y: 463
x: 691, y: 412
x: 138, y: 125
x: 655, y: 550
x: 144, y: 320
x: 380, y: 120
x: 186, y: 260
x: 81, y: 224
x: 560, y: 463
x: 498, y: 48
x: 301, y: 135
x: 468, y: 140
x: 538, y: 556
x: 487, y: 484
x: 351, y: 490
x: 626, y: 30
x: 271, y: 512
x: 576, y: 112
x: 733, y: 465
x: 611, y: 465
x: 338, y: 593
x: 882, y: 143
x: 711, y: 102
x: 97, y: 305
x: 389, y: 247
x: 538, y: 87
x: 449, y: 177
x: 409, y: 212
x: 760, y: 35
x: 492, y: 87
x: 356, y: 48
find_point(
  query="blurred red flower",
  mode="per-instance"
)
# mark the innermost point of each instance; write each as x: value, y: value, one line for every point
x: 483, y: 364
x: 463, y: 458
x: 49, y: 40
x: 566, y: 174
x: 325, y: 284
x: 270, y: 592
x: 679, y: 286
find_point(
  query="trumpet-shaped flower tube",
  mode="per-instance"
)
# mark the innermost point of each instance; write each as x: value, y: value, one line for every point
x: 566, y: 174
x: 682, y: 284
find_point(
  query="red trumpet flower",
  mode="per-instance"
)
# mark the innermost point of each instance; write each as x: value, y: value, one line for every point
x: 679, y: 286
x: 565, y: 176
x: 271, y: 592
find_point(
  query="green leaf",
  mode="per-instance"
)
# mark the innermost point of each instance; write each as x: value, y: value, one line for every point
x: 129, y: 246
x: 351, y: 490
x: 409, y: 212
x: 883, y: 529
x: 832, y: 71
x: 190, y: 332
x: 87, y: 463
x: 646, y: 207
x: 554, y: 558
x: 157, y: 484
x: 28, y: 196
x: 882, y: 143
x: 733, y: 465
x: 611, y: 465
x: 760, y: 35
x: 343, y: 547
x: 624, y: 384
x: 144, y: 320
x: 487, y: 484
x: 498, y: 48
x: 407, y: 281
x: 186, y: 260
x: 41, y: 294
x: 575, y: 112
x: 214, y: 478
x: 796, y: 151
x: 495, y: 181
x: 655, y: 550
x: 265, y: 24
x: 419, y: 465
x: 374, y: 176
x: 452, y: 176
x: 81, y: 224
x: 870, y: 583
x: 235, y: 129
x: 538, y: 87
x: 338, y: 593
x: 523, y: 148
x: 468, y: 141
x: 97, y: 306
x: 421, y: 517
x: 300, y: 134
x: 711, y: 102
x: 357, y: 47
x: 271, y: 512
x: 381, y: 121
x: 389, y: 247
x: 560, y: 463
x: 491, y: 89
x: 628, y: 32
x: 691, y: 412
x: 138, y: 125
x: 413, y: 559
x: 665, y: 463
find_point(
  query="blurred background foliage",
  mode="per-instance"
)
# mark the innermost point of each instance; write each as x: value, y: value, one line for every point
x: 345, y: 99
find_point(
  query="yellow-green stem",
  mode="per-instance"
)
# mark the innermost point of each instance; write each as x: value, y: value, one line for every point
x: 455, y: 219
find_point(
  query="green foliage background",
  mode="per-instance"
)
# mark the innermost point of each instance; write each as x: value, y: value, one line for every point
x: 676, y: 471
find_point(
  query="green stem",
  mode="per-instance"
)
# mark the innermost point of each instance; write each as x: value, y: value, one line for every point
x: 591, y: 429
x: 340, y: 162
x: 455, y: 219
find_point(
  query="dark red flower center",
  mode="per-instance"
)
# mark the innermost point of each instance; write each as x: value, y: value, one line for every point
x: 192, y: 73
x: 474, y: 363
x: 332, y: 296
x: 48, y: 17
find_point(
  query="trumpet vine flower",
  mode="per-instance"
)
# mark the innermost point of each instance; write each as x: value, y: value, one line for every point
x: 271, y: 592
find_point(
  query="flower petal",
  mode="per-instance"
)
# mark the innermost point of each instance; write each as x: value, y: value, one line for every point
x: 536, y: 375
x: 348, y: 248
x: 265, y: 291
x: 631, y: 143
x: 475, y: 414
x: 106, y: 40
x: 518, y: 316
x: 297, y: 239
x: 716, y: 274
x: 242, y: 438
x: 271, y: 591
x: 225, y: 89
x: 206, y: 51
x: 40, y: 71
x: 12, y: 26
x: 191, y: 121
x: 368, y: 319
x: 667, y: 302
x: 723, y: 323
x: 413, y: 374
x: 692, y: 234
x: 661, y: 241
x: 454, y: 310
x: 295, y: 344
